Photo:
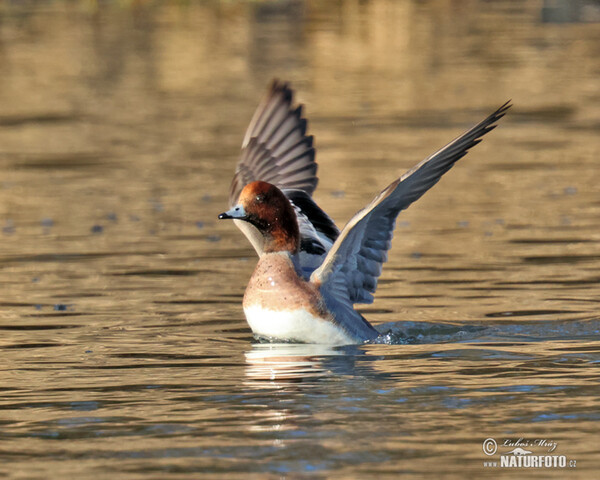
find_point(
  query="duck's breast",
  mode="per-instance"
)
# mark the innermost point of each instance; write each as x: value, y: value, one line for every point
x: 297, y: 325
x: 279, y: 304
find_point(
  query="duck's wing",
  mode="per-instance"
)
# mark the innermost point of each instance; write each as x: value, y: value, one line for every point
x: 350, y: 270
x: 276, y: 148
x: 316, y: 227
x: 317, y: 231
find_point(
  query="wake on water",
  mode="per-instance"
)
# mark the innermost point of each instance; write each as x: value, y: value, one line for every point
x: 407, y: 332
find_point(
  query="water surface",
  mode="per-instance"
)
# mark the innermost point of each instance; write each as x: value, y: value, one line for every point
x: 125, y: 353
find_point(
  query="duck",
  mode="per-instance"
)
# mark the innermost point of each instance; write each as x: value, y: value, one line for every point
x: 310, y: 274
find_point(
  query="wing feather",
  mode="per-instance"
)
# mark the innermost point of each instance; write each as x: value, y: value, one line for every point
x: 276, y: 148
x: 350, y: 270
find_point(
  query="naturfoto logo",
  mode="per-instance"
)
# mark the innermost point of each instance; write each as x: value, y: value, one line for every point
x: 525, y: 453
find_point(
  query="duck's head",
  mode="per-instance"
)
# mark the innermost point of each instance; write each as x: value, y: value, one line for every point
x: 268, y: 210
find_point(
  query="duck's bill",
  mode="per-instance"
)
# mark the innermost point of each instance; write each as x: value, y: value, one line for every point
x: 236, y: 212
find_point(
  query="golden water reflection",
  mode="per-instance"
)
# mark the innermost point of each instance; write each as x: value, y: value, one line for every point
x: 125, y: 351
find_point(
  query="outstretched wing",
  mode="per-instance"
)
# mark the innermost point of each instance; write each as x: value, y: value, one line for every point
x: 276, y: 148
x: 350, y: 270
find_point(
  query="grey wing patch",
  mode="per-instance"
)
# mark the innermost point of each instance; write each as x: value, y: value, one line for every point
x: 353, y: 265
x: 276, y: 148
x: 346, y: 316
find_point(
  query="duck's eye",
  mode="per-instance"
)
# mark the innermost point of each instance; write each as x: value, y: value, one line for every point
x: 260, y: 198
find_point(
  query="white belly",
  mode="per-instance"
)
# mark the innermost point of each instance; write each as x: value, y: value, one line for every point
x: 297, y: 326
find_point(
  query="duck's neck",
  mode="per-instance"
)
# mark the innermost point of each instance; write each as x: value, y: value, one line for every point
x: 282, y: 239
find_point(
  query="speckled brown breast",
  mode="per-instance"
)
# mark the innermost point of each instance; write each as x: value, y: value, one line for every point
x: 276, y: 286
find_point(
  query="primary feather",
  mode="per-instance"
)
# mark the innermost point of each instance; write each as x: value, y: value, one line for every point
x: 352, y: 266
x: 277, y: 150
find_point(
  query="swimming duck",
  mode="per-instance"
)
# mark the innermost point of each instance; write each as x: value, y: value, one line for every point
x: 310, y: 274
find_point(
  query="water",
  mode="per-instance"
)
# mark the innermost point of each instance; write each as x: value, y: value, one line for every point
x: 124, y: 348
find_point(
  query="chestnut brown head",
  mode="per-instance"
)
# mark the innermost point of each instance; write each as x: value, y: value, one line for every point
x: 266, y: 208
